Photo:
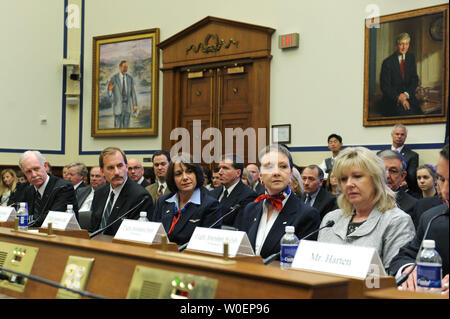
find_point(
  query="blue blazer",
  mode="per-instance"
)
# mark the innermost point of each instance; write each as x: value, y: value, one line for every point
x: 203, y: 215
x: 295, y: 213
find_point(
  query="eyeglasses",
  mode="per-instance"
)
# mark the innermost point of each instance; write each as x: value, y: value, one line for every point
x: 135, y: 168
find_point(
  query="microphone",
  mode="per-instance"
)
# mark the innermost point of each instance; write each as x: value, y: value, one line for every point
x: 19, y: 280
x: 272, y: 257
x: 117, y: 219
x: 403, y: 277
x: 232, y: 210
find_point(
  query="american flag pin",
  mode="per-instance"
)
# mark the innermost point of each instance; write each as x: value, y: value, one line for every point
x: 168, y: 211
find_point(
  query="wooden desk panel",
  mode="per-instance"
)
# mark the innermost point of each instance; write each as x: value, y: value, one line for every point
x: 115, y: 263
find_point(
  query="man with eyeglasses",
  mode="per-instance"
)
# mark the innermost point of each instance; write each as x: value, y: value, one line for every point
x: 136, y: 172
x: 395, y: 175
x: 334, y: 145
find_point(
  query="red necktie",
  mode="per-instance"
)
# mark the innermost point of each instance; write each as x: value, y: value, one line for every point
x: 402, y: 67
x: 275, y: 200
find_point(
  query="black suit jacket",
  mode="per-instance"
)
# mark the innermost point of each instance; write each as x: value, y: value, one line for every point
x: 392, y: 85
x: 18, y: 195
x: 241, y: 194
x: 438, y: 232
x: 130, y: 196
x: 406, y: 202
x: 144, y: 183
x: 57, y: 195
x: 422, y: 205
x: 203, y: 215
x: 295, y: 213
x: 325, y: 202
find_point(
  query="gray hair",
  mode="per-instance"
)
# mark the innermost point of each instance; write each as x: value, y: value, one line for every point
x: 402, y: 36
x: 277, y: 148
x: 28, y: 154
x: 297, y: 177
x: 390, y: 154
x: 399, y: 125
x: 81, y: 168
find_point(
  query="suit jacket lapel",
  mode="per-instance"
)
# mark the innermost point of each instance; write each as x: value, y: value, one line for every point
x: 185, y: 216
x: 48, y: 190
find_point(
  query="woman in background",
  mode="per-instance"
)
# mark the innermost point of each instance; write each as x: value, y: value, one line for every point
x: 426, y: 179
x: 332, y: 184
x: 296, y: 183
x: 8, y: 185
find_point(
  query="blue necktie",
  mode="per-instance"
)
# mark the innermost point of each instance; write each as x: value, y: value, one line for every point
x: 108, y: 209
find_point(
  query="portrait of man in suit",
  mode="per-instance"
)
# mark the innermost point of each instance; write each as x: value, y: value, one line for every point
x: 406, y: 76
x: 121, y: 90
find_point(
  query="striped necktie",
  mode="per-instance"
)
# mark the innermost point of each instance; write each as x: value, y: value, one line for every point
x: 108, y: 209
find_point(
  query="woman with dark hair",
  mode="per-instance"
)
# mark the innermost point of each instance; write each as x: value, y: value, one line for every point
x: 188, y: 205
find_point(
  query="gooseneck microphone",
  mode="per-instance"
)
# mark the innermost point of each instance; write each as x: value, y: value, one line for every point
x: 19, y: 279
x: 118, y: 218
x: 232, y: 210
x: 272, y: 257
x: 403, y: 277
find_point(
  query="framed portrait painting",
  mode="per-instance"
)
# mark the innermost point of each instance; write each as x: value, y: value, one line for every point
x: 125, y: 84
x: 406, y: 67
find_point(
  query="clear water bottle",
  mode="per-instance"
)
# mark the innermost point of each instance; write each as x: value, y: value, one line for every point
x: 429, y: 268
x: 70, y: 209
x: 143, y: 217
x: 22, y: 214
x: 289, y: 244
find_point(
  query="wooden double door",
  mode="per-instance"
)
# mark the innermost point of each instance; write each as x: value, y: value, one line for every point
x: 221, y: 97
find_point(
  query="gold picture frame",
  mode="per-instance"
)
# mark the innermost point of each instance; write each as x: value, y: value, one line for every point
x: 428, y: 54
x: 125, y: 105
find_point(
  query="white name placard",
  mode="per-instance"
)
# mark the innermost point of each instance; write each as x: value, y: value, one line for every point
x: 61, y: 220
x: 211, y: 240
x: 346, y: 260
x: 145, y: 232
x: 7, y: 214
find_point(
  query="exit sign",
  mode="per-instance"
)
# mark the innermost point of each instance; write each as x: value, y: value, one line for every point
x: 286, y: 41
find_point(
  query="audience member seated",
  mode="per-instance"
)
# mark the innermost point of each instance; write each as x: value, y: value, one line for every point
x: 21, y: 177
x: 314, y: 194
x: 207, y: 176
x: 332, y: 185
x: 367, y: 214
x: 334, y: 145
x: 265, y: 219
x: 76, y: 174
x: 296, y: 183
x: 215, y: 179
x: 396, y: 173
x: 149, y: 175
x: 86, y: 194
x: 411, y: 158
x: 233, y: 191
x: 161, y: 160
x: 45, y: 192
x: 426, y: 179
x: 119, y: 196
x: 247, y: 178
x: 65, y: 172
x: 8, y: 184
x: 257, y: 186
x: 438, y: 231
x: 136, y: 172
x: 188, y: 205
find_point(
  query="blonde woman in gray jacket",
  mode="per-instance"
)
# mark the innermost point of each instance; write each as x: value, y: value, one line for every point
x: 368, y: 215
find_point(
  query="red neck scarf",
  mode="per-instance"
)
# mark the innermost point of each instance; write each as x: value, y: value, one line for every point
x: 275, y: 200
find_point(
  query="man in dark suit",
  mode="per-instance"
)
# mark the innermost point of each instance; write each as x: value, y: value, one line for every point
x: 265, y: 219
x: 161, y: 161
x: 253, y: 169
x: 422, y: 205
x: 438, y: 231
x: 395, y: 174
x: 314, y: 194
x: 76, y: 174
x: 399, y: 134
x: 119, y: 196
x: 399, y: 80
x: 86, y: 194
x: 233, y: 191
x: 136, y: 172
x: 45, y: 192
